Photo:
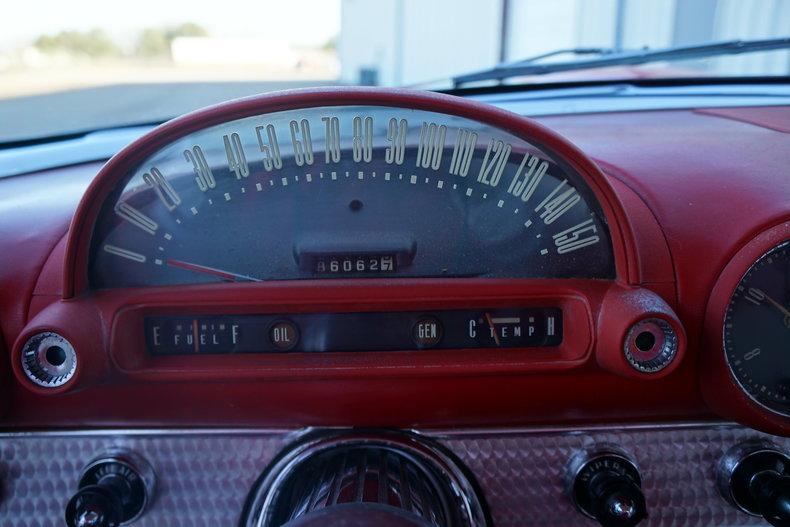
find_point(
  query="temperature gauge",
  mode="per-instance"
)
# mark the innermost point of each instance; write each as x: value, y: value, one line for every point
x: 498, y: 329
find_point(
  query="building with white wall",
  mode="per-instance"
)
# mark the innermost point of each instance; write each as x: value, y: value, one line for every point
x: 402, y: 42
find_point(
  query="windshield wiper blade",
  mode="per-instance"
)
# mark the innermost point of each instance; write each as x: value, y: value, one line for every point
x: 565, y: 51
x: 605, y: 58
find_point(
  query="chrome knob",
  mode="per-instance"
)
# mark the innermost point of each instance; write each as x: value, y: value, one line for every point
x: 49, y: 360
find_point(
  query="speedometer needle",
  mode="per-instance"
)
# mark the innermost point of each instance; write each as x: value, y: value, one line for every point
x: 225, y: 275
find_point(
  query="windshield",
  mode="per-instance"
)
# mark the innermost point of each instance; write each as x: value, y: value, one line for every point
x: 72, y: 67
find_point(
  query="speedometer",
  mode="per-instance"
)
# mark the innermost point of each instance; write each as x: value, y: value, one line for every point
x: 352, y: 190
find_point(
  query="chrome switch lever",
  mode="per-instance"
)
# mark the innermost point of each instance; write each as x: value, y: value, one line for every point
x: 114, y: 490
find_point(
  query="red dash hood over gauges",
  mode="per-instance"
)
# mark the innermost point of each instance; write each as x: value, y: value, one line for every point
x: 480, y: 165
x: 297, y: 141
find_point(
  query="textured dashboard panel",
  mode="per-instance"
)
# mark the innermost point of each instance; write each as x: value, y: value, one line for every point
x: 204, y: 476
x: 522, y: 474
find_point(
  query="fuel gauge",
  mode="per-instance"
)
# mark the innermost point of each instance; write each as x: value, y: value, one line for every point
x: 192, y: 335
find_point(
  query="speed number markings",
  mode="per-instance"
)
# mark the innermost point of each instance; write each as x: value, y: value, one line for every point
x: 492, y: 185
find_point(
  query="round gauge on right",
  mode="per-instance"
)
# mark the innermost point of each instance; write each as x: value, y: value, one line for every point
x: 745, y: 358
x: 756, y: 332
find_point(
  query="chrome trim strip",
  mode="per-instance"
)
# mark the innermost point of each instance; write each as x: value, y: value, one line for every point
x: 428, y: 432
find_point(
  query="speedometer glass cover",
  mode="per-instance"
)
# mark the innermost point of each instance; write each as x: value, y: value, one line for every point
x: 353, y: 191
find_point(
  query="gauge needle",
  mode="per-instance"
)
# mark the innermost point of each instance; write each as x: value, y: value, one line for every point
x: 225, y: 275
x: 493, y: 328
x: 782, y: 309
x: 778, y: 306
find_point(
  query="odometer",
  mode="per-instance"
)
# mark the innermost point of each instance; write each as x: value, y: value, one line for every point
x: 350, y: 264
x: 349, y: 191
x: 757, y: 330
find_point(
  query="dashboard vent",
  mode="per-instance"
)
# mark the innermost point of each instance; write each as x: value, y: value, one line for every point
x: 367, y: 474
x: 390, y: 479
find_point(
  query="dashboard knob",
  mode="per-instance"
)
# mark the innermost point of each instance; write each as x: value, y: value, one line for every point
x: 94, y: 506
x: 114, y: 490
x: 650, y: 345
x: 606, y: 485
x: 49, y: 360
x: 755, y: 478
x: 772, y: 491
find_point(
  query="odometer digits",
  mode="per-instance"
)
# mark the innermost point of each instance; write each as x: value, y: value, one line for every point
x: 354, y: 264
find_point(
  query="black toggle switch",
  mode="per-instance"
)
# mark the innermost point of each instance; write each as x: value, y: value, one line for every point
x: 94, y: 506
x: 606, y: 485
x: 114, y: 489
x: 755, y: 478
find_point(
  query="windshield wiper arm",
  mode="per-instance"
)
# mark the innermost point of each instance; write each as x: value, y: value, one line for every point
x: 565, y: 51
x: 607, y: 58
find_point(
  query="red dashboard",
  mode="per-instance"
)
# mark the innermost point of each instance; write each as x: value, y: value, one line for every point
x: 688, y: 202
x: 671, y: 239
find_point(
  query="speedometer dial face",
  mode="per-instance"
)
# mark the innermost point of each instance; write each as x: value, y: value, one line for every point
x: 757, y: 330
x: 349, y: 191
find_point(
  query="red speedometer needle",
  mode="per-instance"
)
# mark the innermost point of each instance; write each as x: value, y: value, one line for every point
x: 225, y: 275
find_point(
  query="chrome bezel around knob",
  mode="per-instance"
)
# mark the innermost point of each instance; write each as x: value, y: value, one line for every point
x: 39, y: 366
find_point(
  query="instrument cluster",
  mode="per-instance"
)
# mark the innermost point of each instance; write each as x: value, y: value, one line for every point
x: 381, y: 234
x: 351, y: 191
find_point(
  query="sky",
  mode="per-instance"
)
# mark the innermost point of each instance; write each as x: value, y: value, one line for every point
x: 299, y: 22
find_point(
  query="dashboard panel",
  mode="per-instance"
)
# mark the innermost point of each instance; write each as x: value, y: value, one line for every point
x: 646, y: 279
x: 559, y: 209
x: 252, y: 265
x: 463, y: 196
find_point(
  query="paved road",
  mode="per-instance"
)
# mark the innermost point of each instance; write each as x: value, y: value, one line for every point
x: 87, y: 109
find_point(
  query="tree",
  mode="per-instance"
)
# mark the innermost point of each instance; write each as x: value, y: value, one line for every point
x: 155, y: 42
x: 93, y: 43
x: 331, y: 44
x: 188, y: 29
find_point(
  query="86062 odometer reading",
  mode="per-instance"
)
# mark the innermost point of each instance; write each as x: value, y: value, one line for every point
x: 349, y: 191
x: 351, y: 264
